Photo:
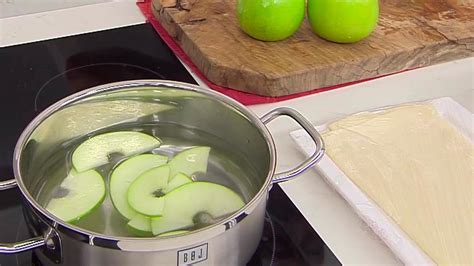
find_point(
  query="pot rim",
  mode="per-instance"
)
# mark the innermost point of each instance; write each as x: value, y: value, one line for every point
x: 113, y: 241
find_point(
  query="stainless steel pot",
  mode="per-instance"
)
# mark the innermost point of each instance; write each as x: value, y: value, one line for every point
x: 230, y: 242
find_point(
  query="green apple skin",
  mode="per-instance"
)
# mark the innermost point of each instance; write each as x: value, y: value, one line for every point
x: 140, y: 225
x: 184, y: 202
x: 190, y: 161
x: 270, y: 20
x: 86, y: 193
x: 95, y: 151
x: 343, y: 21
x: 174, y: 233
x: 124, y: 174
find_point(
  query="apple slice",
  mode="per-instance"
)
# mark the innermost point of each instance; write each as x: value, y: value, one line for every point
x: 175, y: 233
x: 140, y: 225
x: 177, y: 181
x: 95, y: 151
x: 145, y: 194
x: 187, y: 201
x: 190, y: 161
x: 85, y: 191
x: 125, y: 173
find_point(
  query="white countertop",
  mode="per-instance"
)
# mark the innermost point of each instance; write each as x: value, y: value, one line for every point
x: 346, y: 235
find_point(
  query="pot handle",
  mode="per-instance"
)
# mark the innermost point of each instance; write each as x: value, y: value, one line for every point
x: 309, y: 128
x: 11, y: 248
x: 7, y: 184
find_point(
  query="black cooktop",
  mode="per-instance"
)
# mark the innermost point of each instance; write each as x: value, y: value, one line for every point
x: 35, y: 75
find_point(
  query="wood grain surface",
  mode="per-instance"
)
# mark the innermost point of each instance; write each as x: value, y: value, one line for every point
x: 410, y: 34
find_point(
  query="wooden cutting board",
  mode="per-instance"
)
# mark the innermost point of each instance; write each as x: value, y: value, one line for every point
x: 410, y: 34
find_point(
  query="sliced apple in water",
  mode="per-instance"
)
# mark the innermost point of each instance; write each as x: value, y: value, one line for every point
x: 190, y: 161
x: 175, y: 233
x: 140, y: 225
x: 177, y: 181
x: 85, y: 191
x: 95, y: 151
x: 123, y: 176
x: 145, y: 194
x: 184, y: 203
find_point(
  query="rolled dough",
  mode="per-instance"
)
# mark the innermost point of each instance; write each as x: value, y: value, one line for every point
x: 418, y: 169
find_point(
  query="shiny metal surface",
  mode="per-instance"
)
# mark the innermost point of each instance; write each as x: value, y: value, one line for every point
x: 122, y: 102
x: 28, y: 244
x: 309, y: 128
x: 22, y: 246
x: 229, y: 242
x: 7, y: 184
x: 234, y: 247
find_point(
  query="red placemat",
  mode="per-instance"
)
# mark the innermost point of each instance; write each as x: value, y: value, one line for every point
x: 243, y: 97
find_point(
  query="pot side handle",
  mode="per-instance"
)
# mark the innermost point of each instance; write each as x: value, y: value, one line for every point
x: 12, y: 248
x: 7, y: 184
x: 309, y: 128
x: 28, y: 244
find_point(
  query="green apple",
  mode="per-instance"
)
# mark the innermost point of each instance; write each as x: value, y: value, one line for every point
x: 145, y: 194
x: 125, y: 173
x: 85, y: 192
x: 270, y: 20
x: 177, y: 181
x: 140, y: 225
x: 95, y: 151
x: 184, y: 203
x: 190, y: 161
x: 343, y: 21
x: 175, y: 233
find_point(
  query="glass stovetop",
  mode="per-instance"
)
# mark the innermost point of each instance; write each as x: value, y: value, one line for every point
x: 35, y: 75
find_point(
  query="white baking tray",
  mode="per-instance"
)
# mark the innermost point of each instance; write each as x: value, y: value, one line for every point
x: 390, y: 233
